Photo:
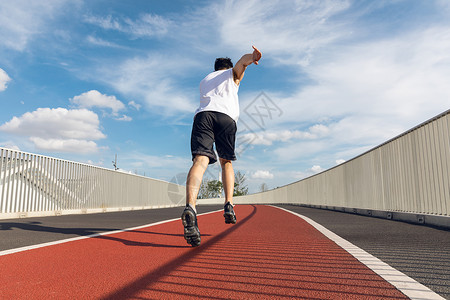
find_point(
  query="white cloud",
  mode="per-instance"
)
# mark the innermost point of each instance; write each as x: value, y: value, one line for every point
x: 151, y: 79
x: 267, y: 138
x: 20, y: 20
x: 58, y: 129
x: 125, y: 118
x: 134, y: 105
x: 4, y: 79
x: 316, y: 169
x: 65, y: 145
x: 9, y: 145
x: 101, y: 42
x: 400, y: 79
x: 262, y: 174
x: 286, y: 31
x: 340, y: 161
x: 94, y: 98
x: 148, y: 25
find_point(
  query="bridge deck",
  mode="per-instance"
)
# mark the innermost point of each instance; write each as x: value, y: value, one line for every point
x: 269, y: 252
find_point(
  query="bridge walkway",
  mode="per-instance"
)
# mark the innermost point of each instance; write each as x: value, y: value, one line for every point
x: 269, y: 253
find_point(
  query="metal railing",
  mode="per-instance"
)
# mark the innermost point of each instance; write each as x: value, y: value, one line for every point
x: 33, y: 185
x: 410, y: 174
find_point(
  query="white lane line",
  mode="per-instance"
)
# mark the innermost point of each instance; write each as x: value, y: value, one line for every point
x: 21, y: 249
x: 404, y: 283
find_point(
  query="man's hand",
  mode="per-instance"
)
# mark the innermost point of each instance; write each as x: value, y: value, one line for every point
x: 244, y: 62
x: 256, y: 55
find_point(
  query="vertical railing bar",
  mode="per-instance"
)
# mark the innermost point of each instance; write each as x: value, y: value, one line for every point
x: 88, y: 190
x: 46, y: 183
x: 7, y: 180
x: 21, y: 182
x: 92, y: 184
x: 77, y: 186
x: 53, y: 204
x: 30, y: 182
x: 439, y: 164
x: 69, y: 184
x: 86, y: 185
x: 17, y: 179
x: 72, y: 188
x: 34, y: 195
x: 431, y: 167
x: 422, y: 182
x: 59, y: 185
x: 50, y: 177
x: 81, y: 185
x: 62, y: 183
x: 2, y: 174
x: 96, y: 179
x: 42, y: 204
x: 56, y: 205
x: 26, y: 180
x: 14, y: 186
x: 38, y: 188
x: 58, y: 201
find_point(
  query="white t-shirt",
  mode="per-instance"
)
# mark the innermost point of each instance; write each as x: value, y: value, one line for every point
x: 219, y: 92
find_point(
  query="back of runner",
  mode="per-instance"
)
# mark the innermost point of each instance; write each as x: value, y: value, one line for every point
x: 215, y: 123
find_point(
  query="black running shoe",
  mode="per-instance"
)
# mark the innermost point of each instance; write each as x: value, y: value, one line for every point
x: 191, y: 232
x: 228, y: 213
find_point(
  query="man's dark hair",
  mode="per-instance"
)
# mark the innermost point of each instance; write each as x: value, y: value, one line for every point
x: 223, y: 63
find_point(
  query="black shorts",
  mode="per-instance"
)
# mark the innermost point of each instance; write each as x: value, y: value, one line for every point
x: 213, y: 127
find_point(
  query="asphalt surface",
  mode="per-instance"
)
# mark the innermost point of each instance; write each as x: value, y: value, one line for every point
x: 421, y: 252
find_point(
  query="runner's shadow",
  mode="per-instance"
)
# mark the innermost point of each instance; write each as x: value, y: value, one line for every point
x: 145, y: 244
x: 93, y: 232
x: 138, y: 244
x: 161, y: 233
x: 36, y: 226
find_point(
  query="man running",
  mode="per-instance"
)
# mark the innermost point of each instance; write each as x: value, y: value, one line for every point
x: 215, y: 123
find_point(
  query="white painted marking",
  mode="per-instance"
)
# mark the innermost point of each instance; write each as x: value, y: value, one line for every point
x: 21, y: 249
x: 407, y: 285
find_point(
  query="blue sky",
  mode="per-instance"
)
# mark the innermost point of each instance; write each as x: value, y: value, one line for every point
x: 85, y: 80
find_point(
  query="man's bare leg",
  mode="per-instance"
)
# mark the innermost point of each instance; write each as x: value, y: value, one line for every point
x: 228, y: 187
x: 194, y: 179
x: 227, y: 179
x: 189, y: 216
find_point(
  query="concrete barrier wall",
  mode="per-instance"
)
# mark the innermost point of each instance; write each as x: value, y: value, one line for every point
x: 409, y: 173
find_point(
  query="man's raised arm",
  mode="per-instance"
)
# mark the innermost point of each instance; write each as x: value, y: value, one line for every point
x: 244, y: 62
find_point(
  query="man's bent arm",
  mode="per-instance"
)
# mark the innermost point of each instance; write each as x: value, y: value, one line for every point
x: 244, y: 62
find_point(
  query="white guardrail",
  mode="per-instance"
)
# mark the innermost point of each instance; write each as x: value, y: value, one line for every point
x: 408, y: 174
x: 36, y: 185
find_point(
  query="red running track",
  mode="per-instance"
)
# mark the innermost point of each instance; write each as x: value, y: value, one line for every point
x: 269, y: 253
